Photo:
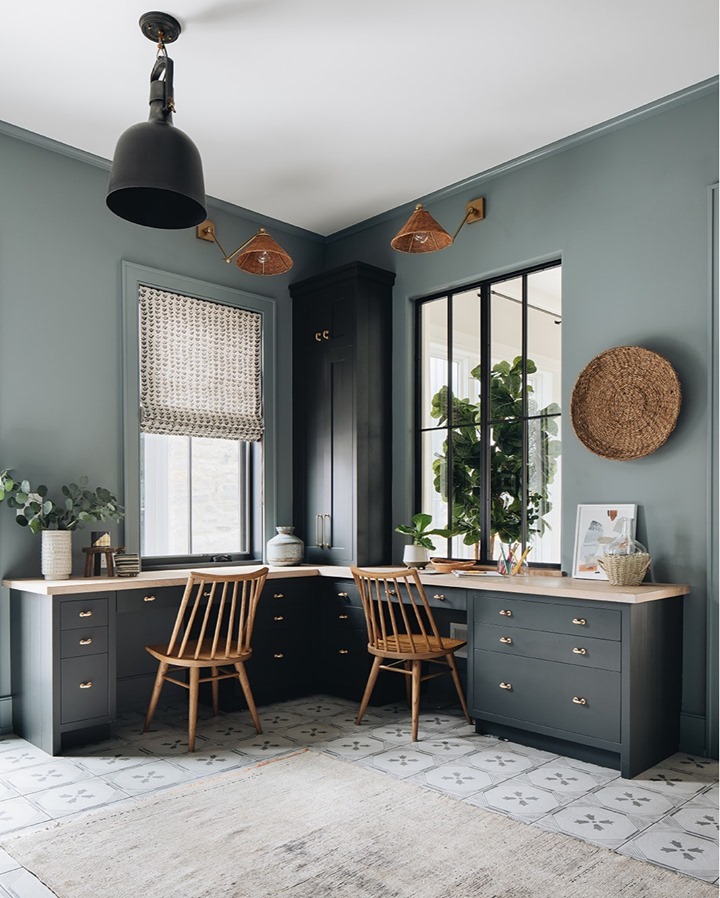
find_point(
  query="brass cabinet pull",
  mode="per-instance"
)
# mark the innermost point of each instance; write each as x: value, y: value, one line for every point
x: 318, y: 528
x: 318, y: 336
x: 506, y: 640
x: 579, y: 701
x: 504, y: 612
x: 343, y: 651
x: 439, y: 596
x: 579, y: 651
x: 278, y: 595
x: 343, y: 595
x: 87, y: 685
x: 580, y: 621
x: 505, y: 685
x: 278, y: 655
x: 85, y: 614
x: 86, y: 641
x: 149, y: 598
x: 327, y: 539
x: 326, y: 334
x: 322, y: 335
x: 279, y: 617
x: 343, y: 616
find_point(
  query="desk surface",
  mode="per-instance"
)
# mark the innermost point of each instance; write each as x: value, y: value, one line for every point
x: 565, y: 587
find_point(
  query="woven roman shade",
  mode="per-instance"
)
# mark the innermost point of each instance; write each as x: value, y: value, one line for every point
x: 200, y: 367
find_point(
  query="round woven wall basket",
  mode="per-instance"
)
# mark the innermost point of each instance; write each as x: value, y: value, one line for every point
x: 625, y: 403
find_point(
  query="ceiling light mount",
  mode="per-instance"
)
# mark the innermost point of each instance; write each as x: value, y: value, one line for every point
x: 259, y: 255
x: 160, y: 27
x: 422, y: 234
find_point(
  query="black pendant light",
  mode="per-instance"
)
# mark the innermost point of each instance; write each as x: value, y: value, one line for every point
x: 157, y: 177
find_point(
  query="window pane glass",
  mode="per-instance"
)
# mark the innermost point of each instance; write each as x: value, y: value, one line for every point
x: 434, y: 482
x: 544, y: 324
x: 215, y: 496
x: 434, y: 356
x: 467, y: 494
x: 506, y: 484
x: 544, y: 489
x: 505, y: 347
x: 466, y: 351
x: 165, y: 510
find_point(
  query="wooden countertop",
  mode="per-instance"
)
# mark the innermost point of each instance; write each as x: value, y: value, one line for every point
x: 563, y: 587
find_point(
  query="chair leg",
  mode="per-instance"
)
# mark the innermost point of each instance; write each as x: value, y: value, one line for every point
x: 416, y: 671
x: 458, y: 685
x: 247, y: 692
x: 215, y: 692
x: 193, y: 707
x: 157, y: 689
x: 408, y: 683
x: 374, y: 671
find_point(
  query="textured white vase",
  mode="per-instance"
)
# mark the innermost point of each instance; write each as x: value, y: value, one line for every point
x: 56, y: 554
x: 415, y: 556
x: 285, y: 548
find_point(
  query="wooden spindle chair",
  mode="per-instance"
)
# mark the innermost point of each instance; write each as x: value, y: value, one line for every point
x: 213, y: 629
x: 402, y: 634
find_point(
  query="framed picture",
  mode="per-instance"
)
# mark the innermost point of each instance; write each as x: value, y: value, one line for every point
x: 597, y: 526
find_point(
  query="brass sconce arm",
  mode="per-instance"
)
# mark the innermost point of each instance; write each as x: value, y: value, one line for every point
x: 475, y: 212
x: 206, y: 231
x: 258, y: 255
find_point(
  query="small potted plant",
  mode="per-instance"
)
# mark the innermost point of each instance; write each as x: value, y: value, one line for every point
x: 416, y: 554
x: 56, y: 521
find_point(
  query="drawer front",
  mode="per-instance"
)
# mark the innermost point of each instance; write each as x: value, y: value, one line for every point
x: 80, y: 613
x: 84, y: 689
x: 341, y: 618
x: 442, y: 597
x: 79, y: 643
x: 132, y: 601
x: 573, y: 700
x: 346, y: 593
x: 576, y: 649
x: 583, y: 619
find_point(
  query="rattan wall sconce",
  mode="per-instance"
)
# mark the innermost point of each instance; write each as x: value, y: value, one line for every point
x: 422, y: 234
x: 259, y: 255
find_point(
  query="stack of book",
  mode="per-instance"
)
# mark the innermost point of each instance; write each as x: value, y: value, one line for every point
x: 127, y: 564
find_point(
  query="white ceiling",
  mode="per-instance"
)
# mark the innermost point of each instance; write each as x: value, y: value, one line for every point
x: 323, y: 113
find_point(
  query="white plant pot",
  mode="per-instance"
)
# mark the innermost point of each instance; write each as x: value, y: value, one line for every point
x: 56, y: 554
x: 415, y: 556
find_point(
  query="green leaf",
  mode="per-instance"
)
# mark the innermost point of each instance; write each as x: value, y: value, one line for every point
x: 42, y: 490
x: 421, y: 521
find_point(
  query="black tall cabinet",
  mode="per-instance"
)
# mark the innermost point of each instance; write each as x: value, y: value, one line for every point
x: 342, y: 324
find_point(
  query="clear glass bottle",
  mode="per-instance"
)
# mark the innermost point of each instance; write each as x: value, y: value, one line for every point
x: 625, y: 543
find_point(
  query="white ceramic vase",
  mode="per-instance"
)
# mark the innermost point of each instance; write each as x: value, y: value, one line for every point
x: 285, y: 549
x: 415, y: 556
x: 56, y: 554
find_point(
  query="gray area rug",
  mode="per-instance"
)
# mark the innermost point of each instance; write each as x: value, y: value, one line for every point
x: 309, y: 826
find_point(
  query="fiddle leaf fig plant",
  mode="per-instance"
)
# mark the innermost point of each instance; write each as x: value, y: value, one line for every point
x: 37, y: 512
x: 420, y: 532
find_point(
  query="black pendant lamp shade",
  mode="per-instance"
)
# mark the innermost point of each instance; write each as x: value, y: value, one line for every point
x: 157, y: 177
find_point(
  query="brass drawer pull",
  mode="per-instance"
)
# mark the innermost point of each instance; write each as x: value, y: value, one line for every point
x: 579, y: 651
x: 278, y: 595
x: 86, y: 641
x: 504, y: 612
x: 278, y: 655
x: 506, y: 640
x: 87, y: 685
x: 343, y: 616
x: 505, y: 685
x: 343, y: 651
x: 580, y: 621
x: 343, y: 595
x: 149, y: 598
x: 85, y: 614
x: 579, y: 701
x: 439, y: 596
x: 279, y: 617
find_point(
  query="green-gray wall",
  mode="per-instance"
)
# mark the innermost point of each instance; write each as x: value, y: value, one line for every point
x: 626, y: 209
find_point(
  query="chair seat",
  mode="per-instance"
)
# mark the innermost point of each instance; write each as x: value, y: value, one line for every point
x: 425, y: 647
x: 205, y: 656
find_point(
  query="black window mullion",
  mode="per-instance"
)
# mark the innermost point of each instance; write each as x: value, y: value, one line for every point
x: 525, y: 423
x: 485, y: 417
x: 450, y: 480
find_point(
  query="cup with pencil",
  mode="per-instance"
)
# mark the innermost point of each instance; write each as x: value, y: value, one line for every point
x: 511, y: 561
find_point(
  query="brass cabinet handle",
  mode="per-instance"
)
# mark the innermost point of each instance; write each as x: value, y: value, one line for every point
x: 326, y: 334
x: 343, y: 616
x: 278, y: 655
x: 505, y: 685
x: 439, y: 596
x: 343, y: 651
x: 504, y: 612
x: 506, y: 640
x: 149, y: 598
x: 86, y: 641
x: 279, y: 617
x: 343, y: 595
x: 87, y: 685
x: 327, y: 540
x: 579, y: 651
x: 318, y: 336
x: 85, y: 614
x: 318, y: 528
x: 278, y: 595
x: 579, y: 701
x: 580, y: 621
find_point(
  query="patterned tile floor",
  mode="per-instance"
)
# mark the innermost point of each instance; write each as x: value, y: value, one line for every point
x: 667, y: 816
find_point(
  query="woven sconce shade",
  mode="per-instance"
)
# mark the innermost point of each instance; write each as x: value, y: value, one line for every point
x: 421, y: 234
x: 263, y: 255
